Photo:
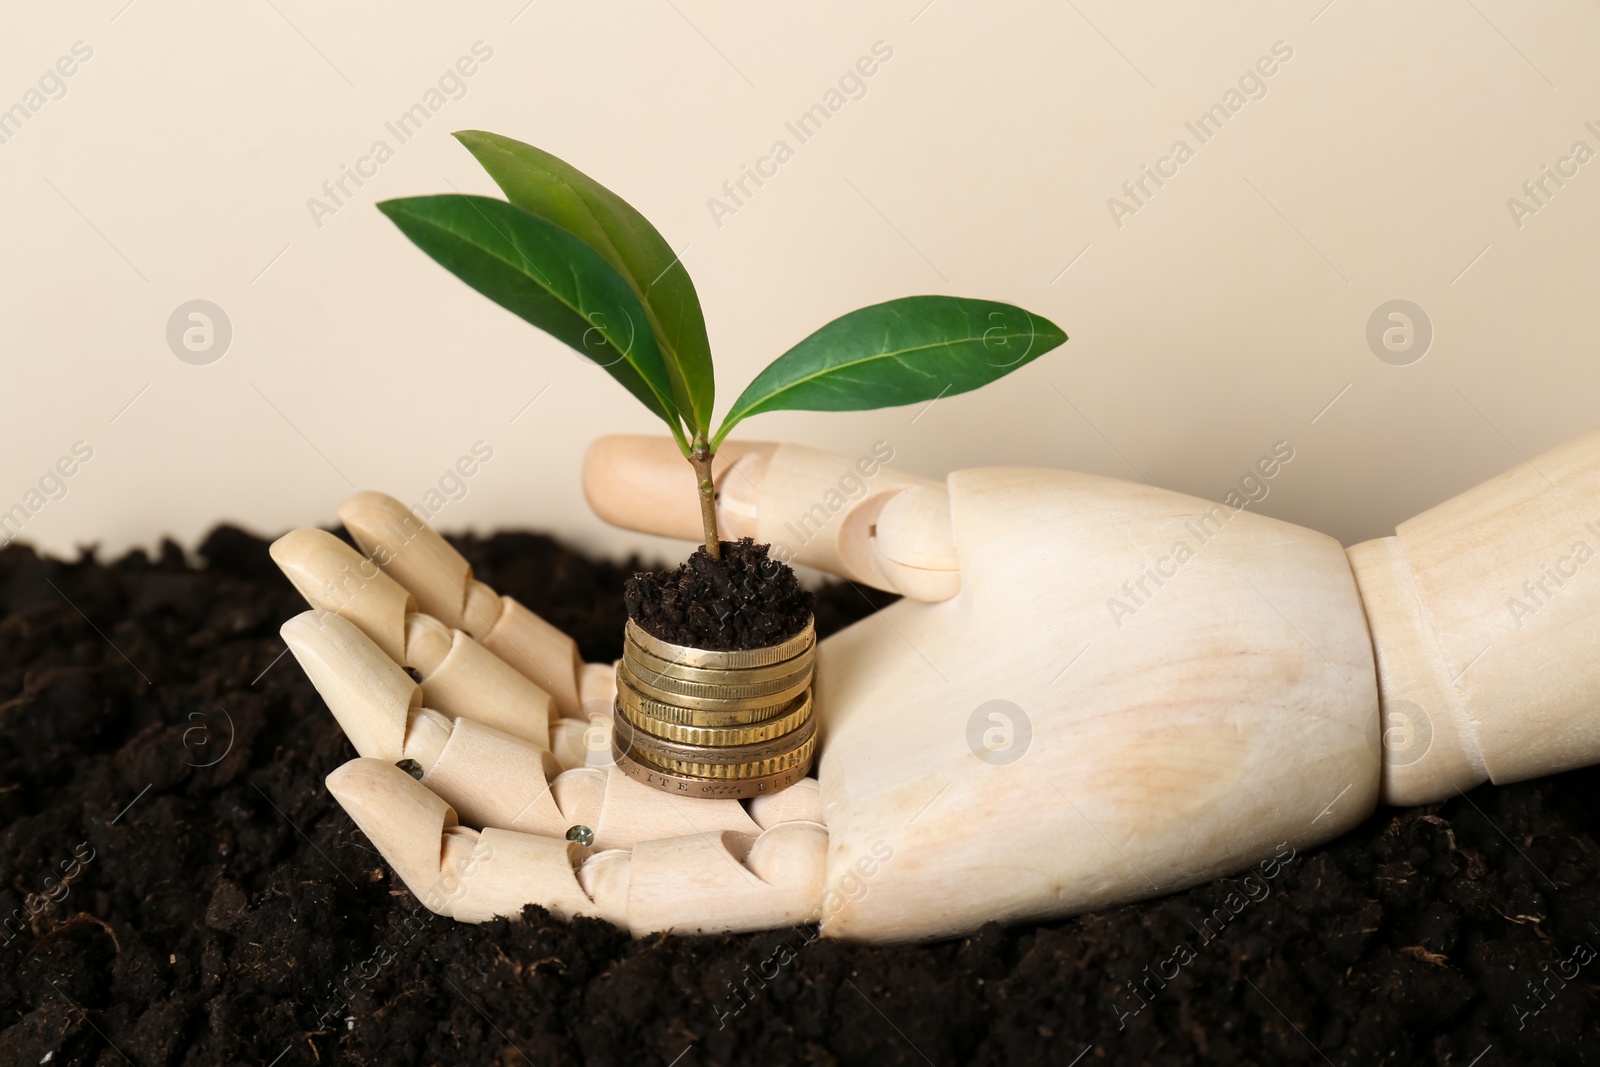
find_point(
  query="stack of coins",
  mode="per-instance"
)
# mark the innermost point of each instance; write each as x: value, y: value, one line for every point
x: 702, y: 723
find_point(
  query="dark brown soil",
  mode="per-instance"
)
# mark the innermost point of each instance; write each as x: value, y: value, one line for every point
x: 219, y: 908
x: 746, y: 599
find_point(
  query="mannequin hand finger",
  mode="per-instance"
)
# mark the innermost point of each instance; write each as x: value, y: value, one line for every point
x: 857, y: 519
x: 459, y: 676
x: 440, y: 580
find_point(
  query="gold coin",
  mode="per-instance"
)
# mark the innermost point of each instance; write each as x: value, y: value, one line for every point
x: 654, y: 749
x: 671, y: 690
x: 714, y: 736
x: 698, y: 762
x: 675, y: 680
x: 709, y: 788
x: 800, y: 758
x: 788, y: 648
x: 646, y: 665
x: 692, y: 712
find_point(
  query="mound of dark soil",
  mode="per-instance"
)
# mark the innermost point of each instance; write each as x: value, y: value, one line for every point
x: 180, y: 889
x: 746, y: 599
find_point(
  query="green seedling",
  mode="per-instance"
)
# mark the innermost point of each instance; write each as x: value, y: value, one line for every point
x: 573, y: 258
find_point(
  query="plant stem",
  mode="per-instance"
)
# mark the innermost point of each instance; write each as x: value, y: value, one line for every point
x: 700, y: 456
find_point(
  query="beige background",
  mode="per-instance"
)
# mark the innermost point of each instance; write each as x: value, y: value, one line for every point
x: 1222, y: 317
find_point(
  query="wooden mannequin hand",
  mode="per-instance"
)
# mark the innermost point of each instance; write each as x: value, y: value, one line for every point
x: 1092, y: 692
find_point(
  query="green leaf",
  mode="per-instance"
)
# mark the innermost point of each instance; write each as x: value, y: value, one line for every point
x: 561, y: 194
x: 905, y: 351
x: 548, y: 277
